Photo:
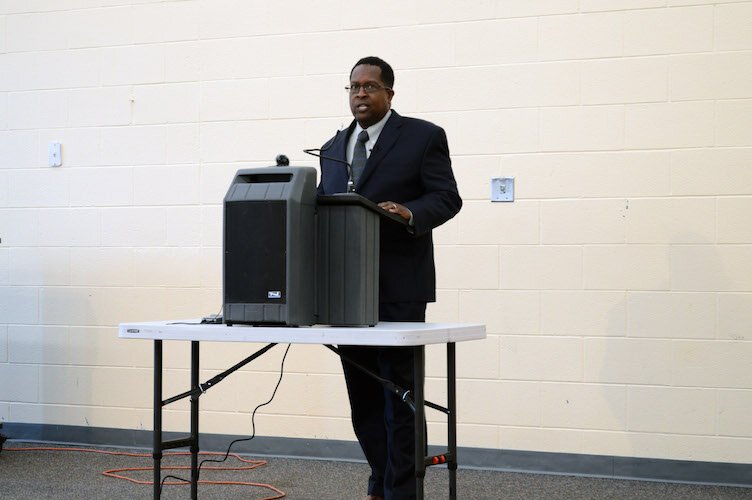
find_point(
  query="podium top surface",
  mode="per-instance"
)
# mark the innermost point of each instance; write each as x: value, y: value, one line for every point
x: 354, y: 199
x: 383, y: 334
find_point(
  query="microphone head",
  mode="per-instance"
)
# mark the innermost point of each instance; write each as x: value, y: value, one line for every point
x: 282, y: 160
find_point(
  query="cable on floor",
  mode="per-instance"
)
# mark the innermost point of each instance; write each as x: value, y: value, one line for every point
x: 178, y: 480
x: 116, y: 473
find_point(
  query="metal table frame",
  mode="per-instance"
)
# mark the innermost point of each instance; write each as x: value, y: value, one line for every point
x: 415, y: 335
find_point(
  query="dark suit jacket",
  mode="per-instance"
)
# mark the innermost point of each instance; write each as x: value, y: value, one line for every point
x: 409, y: 165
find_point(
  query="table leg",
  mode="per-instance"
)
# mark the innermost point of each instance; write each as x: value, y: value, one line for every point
x: 194, y: 419
x: 420, y: 432
x: 452, y: 419
x: 157, y: 431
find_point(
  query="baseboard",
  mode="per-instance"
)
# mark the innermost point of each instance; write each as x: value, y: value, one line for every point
x: 716, y: 473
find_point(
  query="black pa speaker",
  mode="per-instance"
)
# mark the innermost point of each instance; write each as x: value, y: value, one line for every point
x: 269, y: 247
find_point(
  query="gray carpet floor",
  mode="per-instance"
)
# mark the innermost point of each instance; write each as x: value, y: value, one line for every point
x: 78, y: 475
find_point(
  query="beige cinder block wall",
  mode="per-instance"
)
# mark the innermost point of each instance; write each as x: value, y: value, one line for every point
x: 616, y: 288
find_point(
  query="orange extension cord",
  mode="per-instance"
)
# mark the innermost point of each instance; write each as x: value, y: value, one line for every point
x: 114, y: 473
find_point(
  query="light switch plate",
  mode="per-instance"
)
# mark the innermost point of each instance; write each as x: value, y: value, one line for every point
x: 502, y: 189
x: 55, y: 154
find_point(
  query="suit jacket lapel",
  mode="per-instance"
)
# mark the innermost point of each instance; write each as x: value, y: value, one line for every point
x: 339, y: 150
x: 387, y: 138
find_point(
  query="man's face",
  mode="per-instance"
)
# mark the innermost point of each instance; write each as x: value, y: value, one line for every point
x: 367, y: 108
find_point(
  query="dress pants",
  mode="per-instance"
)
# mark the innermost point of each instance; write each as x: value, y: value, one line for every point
x: 383, y: 424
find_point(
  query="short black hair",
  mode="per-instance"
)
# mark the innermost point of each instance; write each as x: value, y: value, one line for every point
x: 387, y: 73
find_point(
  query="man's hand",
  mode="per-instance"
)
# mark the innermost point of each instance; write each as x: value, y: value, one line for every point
x: 396, y: 208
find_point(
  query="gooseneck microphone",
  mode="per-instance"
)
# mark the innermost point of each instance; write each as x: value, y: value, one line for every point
x: 350, y: 183
x: 317, y: 152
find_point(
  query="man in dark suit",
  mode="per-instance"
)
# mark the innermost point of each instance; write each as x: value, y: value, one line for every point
x: 403, y: 165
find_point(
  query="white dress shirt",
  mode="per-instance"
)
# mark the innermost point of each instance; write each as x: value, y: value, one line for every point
x: 373, y: 134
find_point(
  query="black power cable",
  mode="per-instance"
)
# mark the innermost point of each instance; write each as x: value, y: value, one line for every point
x: 240, y: 440
x: 253, y: 415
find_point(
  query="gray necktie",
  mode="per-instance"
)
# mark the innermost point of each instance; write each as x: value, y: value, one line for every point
x: 359, y: 156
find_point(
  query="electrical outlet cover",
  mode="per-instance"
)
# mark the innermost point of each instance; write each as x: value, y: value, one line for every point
x: 502, y: 189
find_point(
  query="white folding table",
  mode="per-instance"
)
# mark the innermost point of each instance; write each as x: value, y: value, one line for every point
x: 415, y: 335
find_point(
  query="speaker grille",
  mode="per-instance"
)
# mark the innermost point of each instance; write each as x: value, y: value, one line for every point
x: 255, y: 252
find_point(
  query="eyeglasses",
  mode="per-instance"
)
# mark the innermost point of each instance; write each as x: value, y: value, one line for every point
x: 369, y: 87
